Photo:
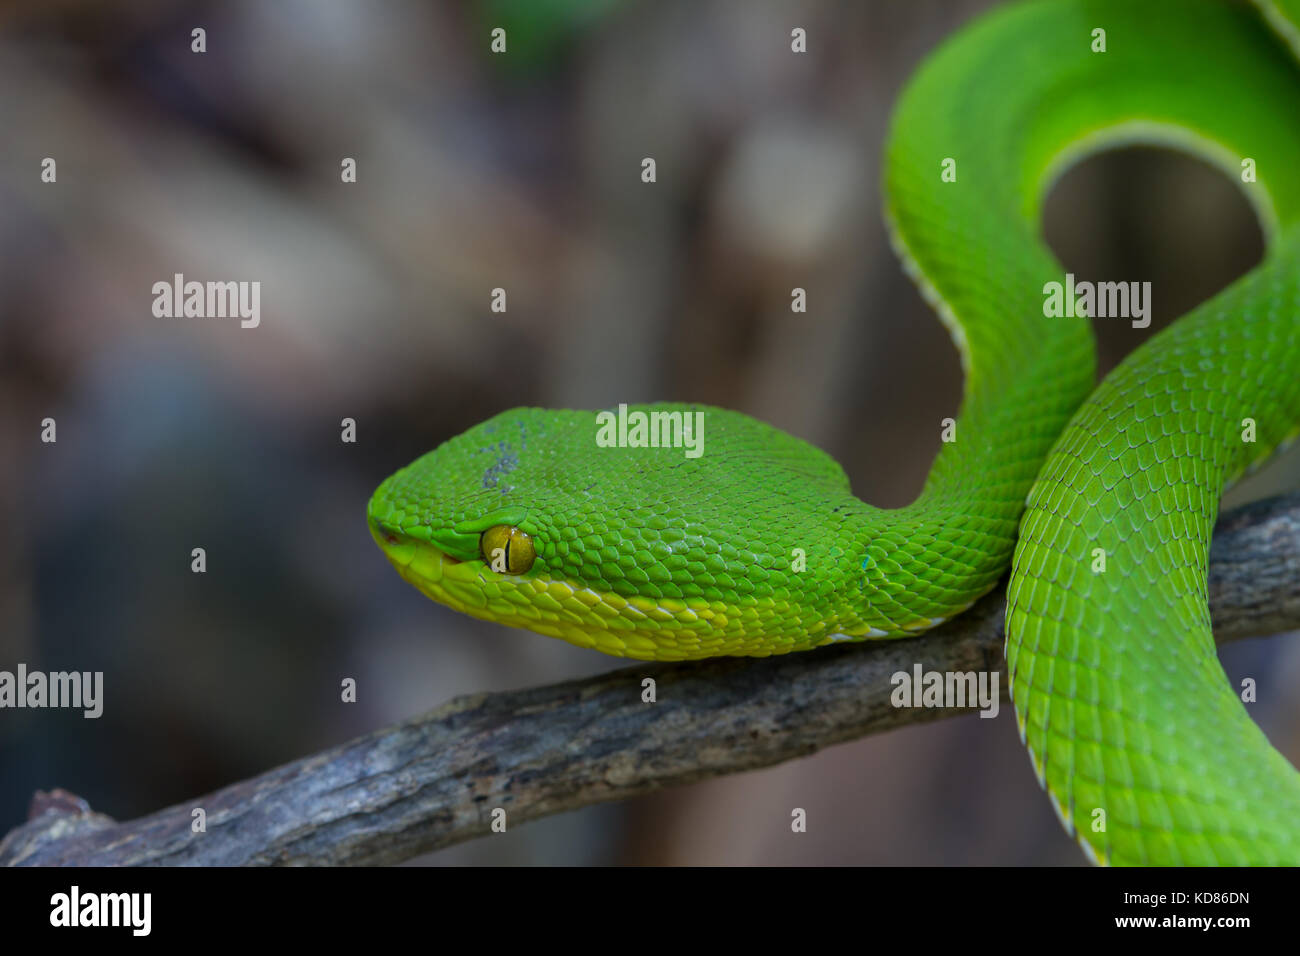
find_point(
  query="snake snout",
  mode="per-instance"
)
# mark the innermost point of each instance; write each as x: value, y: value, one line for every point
x: 382, y: 532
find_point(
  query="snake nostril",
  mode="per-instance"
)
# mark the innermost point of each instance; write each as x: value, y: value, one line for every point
x: 381, y: 531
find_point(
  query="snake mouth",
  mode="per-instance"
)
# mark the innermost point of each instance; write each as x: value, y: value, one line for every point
x: 463, y: 585
x: 414, y: 559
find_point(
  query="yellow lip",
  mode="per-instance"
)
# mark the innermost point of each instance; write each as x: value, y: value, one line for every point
x: 622, y: 626
x: 461, y: 585
x: 415, y: 560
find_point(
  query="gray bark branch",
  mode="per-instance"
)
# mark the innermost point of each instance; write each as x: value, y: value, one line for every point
x: 434, y: 780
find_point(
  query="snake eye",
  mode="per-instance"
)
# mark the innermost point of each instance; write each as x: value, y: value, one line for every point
x: 507, y: 549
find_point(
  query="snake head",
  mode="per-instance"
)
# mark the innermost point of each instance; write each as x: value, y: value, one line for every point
x: 572, y: 524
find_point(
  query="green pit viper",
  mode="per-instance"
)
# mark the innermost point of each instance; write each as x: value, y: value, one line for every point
x: 1118, y: 693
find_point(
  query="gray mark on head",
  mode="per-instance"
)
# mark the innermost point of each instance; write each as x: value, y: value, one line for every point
x: 506, y: 462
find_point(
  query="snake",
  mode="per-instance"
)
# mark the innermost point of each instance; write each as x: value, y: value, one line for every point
x: 1100, y: 498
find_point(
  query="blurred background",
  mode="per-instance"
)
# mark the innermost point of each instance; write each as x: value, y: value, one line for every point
x: 477, y: 171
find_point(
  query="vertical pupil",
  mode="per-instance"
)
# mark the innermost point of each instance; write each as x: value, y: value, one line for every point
x: 508, y: 537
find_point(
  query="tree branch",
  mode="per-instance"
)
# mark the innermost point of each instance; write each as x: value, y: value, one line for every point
x: 434, y: 780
